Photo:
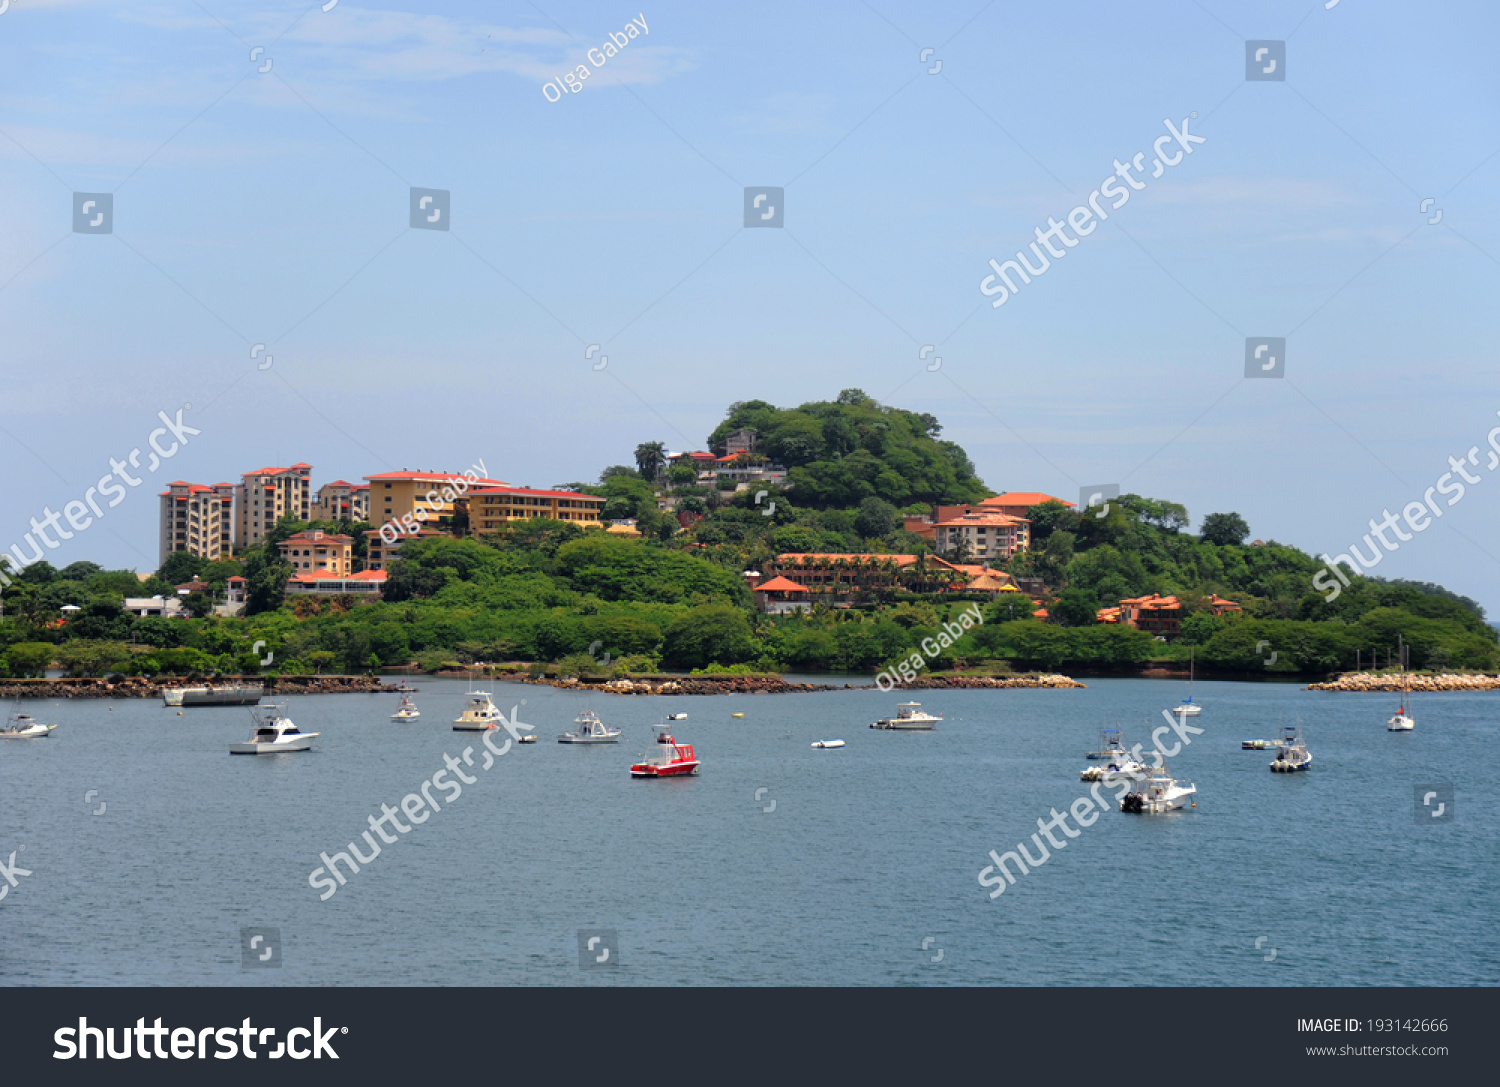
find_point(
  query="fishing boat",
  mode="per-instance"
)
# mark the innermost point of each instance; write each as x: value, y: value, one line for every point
x: 223, y: 694
x: 1401, y: 721
x: 406, y: 711
x: 274, y: 733
x: 1159, y: 793
x: 1291, y: 752
x: 480, y: 715
x: 671, y: 759
x: 909, y: 718
x: 22, y: 726
x: 590, y: 730
x: 828, y: 745
x: 1111, y: 745
x: 1187, y: 707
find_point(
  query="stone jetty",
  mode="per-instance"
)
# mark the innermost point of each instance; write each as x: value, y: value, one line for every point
x: 763, y: 684
x: 143, y: 687
x: 1391, y: 681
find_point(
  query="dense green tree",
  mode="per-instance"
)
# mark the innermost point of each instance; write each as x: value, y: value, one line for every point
x: 710, y: 634
x: 1224, y: 529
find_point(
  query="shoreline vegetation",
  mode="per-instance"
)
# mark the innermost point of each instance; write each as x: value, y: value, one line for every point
x: 144, y: 687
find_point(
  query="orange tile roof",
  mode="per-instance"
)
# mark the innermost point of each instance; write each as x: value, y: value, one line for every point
x: 1023, y: 498
x: 985, y: 518
x: 780, y: 585
x: 502, y: 489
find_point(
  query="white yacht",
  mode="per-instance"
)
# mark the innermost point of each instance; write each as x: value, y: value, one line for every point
x: 480, y: 715
x: 406, y: 711
x: 1159, y: 792
x: 23, y: 726
x: 274, y: 733
x: 590, y: 730
x: 1401, y: 721
x: 828, y: 745
x: 676, y: 717
x: 1291, y: 752
x: 909, y: 718
x: 1187, y: 707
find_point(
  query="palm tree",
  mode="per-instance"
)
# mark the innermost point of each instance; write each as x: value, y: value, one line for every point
x: 650, y: 458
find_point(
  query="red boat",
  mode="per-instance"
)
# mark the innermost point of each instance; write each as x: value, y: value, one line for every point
x: 671, y: 759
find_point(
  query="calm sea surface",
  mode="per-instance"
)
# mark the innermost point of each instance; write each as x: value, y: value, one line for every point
x: 869, y: 850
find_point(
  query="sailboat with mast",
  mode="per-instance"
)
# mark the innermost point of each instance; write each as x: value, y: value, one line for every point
x: 1187, y: 707
x: 1401, y: 720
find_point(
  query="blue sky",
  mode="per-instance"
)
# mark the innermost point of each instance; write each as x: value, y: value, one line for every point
x: 272, y: 208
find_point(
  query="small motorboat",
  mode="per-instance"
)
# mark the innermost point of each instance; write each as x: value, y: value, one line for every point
x: 671, y: 759
x: 526, y: 738
x: 1291, y: 752
x: 1159, y: 793
x: 23, y: 726
x: 736, y: 715
x: 1124, y: 765
x: 480, y: 715
x: 676, y: 717
x: 590, y: 730
x: 274, y: 733
x: 1257, y: 745
x: 1111, y: 745
x: 407, y: 712
x: 828, y: 745
x: 909, y: 718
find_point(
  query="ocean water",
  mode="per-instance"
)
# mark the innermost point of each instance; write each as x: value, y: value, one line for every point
x: 1322, y: 878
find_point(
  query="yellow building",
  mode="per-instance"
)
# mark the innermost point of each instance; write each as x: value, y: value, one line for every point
x: 314, y: 551
x: 491, y: 507
x: 266, y: 496
x: 196, y: 519
x: 395, y: 495
x: 340, y: 501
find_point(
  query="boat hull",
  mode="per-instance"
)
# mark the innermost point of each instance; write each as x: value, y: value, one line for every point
x: 474, y: 726
x: 905, y: 726
x: 405, y: 716
x: 302, y: 743
x: 567, y: 739
x: 675, y: 770
x: 213, y: 696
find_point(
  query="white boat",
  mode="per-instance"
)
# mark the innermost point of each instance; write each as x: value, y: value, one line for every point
x: 480, y: 715
x: 1159, y: 792
x: 1124, y: 764
x: 1401, y: 721
x: 828, y: 745
x: 1291, y: 752
x: 590, y: 730
x: 406, y: 712
x: 676, y: 717
x: 274, y: 733
x: 1111, y: 745
x: 526, y: 738
x: 1187, y: 707
x: 23, y: 726
x: 909, y: 718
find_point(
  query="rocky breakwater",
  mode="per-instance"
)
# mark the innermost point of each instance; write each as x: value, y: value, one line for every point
x: 694, y: 685
x: 1030, y: 679
x: 144, y: 687
x: 1368, y: 681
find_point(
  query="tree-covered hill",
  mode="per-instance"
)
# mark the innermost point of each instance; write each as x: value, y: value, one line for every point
x: 843, y: 451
